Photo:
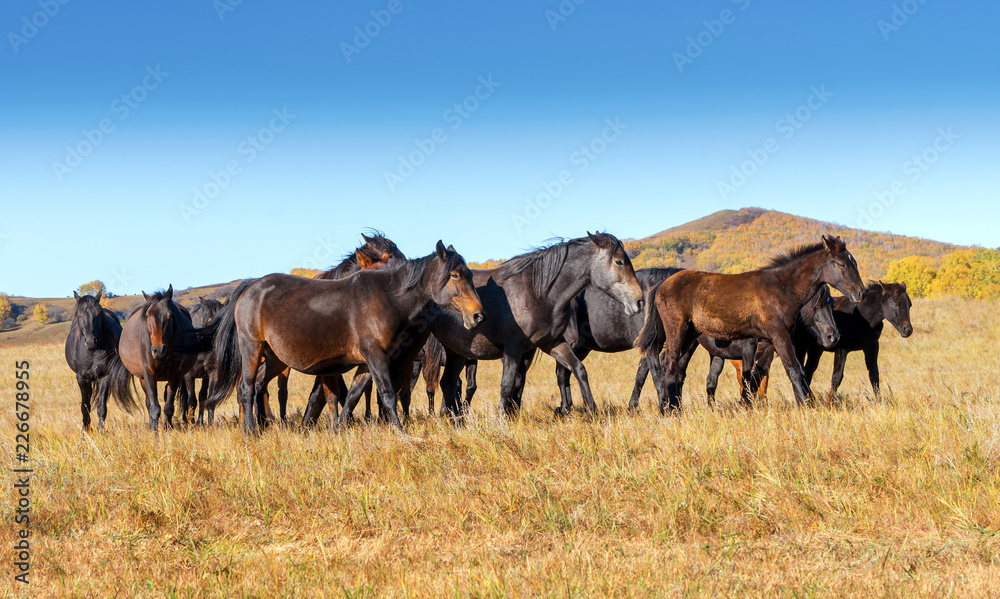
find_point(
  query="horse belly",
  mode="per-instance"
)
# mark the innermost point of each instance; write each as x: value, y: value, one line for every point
x: 720, y: 323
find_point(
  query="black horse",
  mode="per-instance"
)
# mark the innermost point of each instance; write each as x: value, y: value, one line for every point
x: 527, y: 302
x: 204, y: 365
x: 92, y: 353
x: 599, y: 324
x: 816, y: 322
x: 860, y: 327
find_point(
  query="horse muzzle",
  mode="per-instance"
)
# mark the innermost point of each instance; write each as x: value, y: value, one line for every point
x: 633, y: 307
x: 158, y: 351
x: 471, y: 321
x: 830, y: 340
x: 906, y: 330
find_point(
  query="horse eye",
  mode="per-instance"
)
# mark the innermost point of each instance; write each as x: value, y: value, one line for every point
x: 454, y: 275
x: 620, y: 262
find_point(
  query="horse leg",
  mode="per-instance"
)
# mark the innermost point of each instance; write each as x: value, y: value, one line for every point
x: 316, y: 403
x: 679, y: 338
x: 191, y: 388
x: 431, y: 366
x: 871, y: 361
x: 749, y: 387
x: 103, y: 388
x: 762, y: 366
x: 451, y: 396
x: 471, y: 368
x: 738, y: 367
x: 170, y: 391
x: 691, y: 344
x: 86, y: 392
x: 641, y: 372
x: 563, y: 354
x: 712, y: 382
x: 283, y: 394
x: 511, y: 360
x: 839, y: 361
x: 382, y: 372
x: 785, y: 349
x: 152, y: 403
x: 521, y: 378
x: 813, y: 356
x: 251, y: 351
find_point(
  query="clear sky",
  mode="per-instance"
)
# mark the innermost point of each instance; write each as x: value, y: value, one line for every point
x: 187, y: 143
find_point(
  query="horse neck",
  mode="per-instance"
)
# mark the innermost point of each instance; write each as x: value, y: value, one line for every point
x: 411, y: 301
x: 802, y: 275
x: 568, y: 284
x: 873, y: 308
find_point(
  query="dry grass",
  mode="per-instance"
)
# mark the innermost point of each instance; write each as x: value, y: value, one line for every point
x: 855, y: 498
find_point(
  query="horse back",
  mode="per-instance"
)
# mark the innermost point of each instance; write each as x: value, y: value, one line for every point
x: 723, y: 306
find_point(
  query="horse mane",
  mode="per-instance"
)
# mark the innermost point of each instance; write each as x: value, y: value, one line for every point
x: 87, y: 301
x: 377, y: 241
x: 548, y: 261
x: 412, y: 271
x: 175, y: 307
x: 791, y: 256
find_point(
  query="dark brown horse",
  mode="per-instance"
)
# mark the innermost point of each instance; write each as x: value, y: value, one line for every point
x: 762, y: 304
x: 204, y: 365
x: 528, y: 300
x: 92, y: 353
x: 326, y: 328
x: 860, y: 327
x: 160, y: 343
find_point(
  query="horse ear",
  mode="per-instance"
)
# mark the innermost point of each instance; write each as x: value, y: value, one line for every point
x: 595, y: 239
x: 902, y: 285
x: 144, y: 296
x: 76, y: 295
x: 363, y: 260
x: 169, y: 295
x: 100, y: 294
x: 451, y: 248
x: 366, y: 238
x: 442, y: 251
x: 831, y: 244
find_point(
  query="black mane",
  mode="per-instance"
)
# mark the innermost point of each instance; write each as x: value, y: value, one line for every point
x: 787, y: 257
x: 548, y: 261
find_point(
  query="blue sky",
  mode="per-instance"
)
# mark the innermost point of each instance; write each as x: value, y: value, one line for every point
x: 493, y: 126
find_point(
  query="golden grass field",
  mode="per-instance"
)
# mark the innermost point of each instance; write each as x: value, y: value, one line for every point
x: 854, y: 498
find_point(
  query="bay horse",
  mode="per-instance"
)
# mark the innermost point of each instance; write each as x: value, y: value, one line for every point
x: 204, y: 364
x: 762, y: 303
x: 528, y: 300
x: 860, y: 327
x: 815, y: 321
x: 327, y: 327
x: 599, y: 324
x: 92, y: 353
x: 160, y: 343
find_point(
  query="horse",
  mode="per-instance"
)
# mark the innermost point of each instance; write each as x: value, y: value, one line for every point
x: 528, y: 302
x: 860, y: 327
x: 365, y: 318
x: 160, y: 343
x: 815, y: 321
x: 204, y: 364
x: 92, y: 353
x: 598, y: 324
x: 762, y: 303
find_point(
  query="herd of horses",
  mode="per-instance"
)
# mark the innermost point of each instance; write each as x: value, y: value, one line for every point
x: 390, y: 318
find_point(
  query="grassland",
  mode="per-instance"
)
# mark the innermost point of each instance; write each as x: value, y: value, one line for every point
x: 855, y: 498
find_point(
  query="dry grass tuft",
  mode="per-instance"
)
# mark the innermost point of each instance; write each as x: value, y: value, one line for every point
x: 857, y: 497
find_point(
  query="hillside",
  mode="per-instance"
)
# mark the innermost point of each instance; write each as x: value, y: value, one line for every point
x: 740, y: 240
x: 26, y: 331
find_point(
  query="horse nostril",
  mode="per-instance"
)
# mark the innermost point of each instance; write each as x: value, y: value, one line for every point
x: 478, y: 317
x: 640, y: 304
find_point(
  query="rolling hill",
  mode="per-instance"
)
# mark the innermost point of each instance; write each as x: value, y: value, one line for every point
x: 740, y: 240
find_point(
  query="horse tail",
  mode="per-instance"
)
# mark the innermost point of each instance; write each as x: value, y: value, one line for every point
x: 196, y: 340
x: 651, y: 338
x: 121, y: 384
x: 225, y: 345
